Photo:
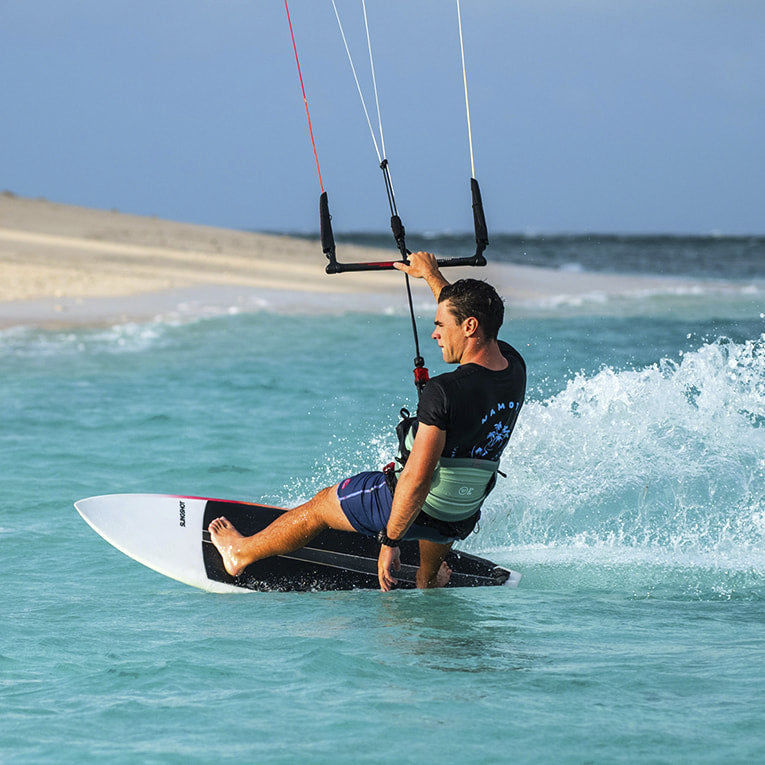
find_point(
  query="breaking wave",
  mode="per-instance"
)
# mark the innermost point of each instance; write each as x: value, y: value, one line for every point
x: 661, y: 466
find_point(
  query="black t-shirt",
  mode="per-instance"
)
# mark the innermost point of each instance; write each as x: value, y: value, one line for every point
x: 477, y: 407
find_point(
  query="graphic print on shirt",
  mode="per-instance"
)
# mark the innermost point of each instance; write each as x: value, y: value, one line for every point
x: 501, y: 417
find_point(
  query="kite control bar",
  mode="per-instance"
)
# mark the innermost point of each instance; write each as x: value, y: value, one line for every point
x: 399, y: 233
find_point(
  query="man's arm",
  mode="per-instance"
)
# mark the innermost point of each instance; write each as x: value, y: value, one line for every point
x: 422, y: 265
x: 412, y: 488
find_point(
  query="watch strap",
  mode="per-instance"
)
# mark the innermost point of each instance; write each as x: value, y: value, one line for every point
x: 384, y: 539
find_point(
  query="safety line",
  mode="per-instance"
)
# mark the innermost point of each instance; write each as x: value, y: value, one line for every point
x: 305, y: 100
x: 374, y: 79
x: 381, y: 158
x: 355, y: 77
x: 467, y: 102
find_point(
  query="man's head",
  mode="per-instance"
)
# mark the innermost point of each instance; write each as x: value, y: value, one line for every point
x: 472, y: 297
x: 468, y: 311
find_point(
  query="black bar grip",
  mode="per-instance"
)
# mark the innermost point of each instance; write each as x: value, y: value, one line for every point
x: 479, y: 223
x: 387, y: 265
x: 327, y: 237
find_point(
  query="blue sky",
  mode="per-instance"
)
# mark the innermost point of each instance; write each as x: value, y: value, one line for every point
x: 588, y: 115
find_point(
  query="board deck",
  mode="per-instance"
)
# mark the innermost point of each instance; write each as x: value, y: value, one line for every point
x: 169, y: 533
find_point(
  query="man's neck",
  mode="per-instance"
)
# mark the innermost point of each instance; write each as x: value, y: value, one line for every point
x: 485, y: 353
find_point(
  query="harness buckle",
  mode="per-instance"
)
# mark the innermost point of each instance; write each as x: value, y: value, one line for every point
x: 389, y: 471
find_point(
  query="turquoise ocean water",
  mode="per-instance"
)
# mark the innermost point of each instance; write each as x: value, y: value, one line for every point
x: 634, y: 506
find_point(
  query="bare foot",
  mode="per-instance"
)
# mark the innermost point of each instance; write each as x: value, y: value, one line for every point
x: 443, y: 575
x: 441, y: 578
x: 227, y: 541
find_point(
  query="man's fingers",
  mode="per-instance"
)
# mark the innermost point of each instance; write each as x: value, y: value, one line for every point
x: 386, y: 581
x: 389, y: 558
x: 387, y: 577
x: 421, y: 264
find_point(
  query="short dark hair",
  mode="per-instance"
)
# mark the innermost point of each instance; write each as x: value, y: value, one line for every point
x: 472, y: 297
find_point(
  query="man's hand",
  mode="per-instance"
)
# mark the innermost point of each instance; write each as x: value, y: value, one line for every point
x: 390, y: 558
x: 423, y: 265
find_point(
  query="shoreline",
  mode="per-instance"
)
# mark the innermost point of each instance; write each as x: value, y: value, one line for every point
x: 67, y: 266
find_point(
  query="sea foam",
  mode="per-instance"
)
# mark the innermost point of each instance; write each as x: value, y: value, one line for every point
x: 664, y: 464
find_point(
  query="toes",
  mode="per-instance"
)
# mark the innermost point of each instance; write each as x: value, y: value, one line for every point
x: 218, y: 525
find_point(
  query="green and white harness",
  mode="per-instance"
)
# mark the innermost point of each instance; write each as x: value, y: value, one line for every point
x: 460, y: 484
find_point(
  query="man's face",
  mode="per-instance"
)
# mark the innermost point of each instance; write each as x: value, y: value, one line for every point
x: 449, y: 335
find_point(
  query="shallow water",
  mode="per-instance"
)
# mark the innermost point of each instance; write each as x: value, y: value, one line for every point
x: 634, y: 506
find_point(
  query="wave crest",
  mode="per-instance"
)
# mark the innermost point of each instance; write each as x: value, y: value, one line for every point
x: 668, y: 459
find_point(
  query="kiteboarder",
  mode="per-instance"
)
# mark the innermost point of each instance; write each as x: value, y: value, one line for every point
x: 448, y: 456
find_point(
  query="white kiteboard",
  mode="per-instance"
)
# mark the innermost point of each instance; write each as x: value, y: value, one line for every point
x: 168, y: 533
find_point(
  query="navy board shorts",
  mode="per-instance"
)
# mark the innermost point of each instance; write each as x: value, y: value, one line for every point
x: 366, y: 500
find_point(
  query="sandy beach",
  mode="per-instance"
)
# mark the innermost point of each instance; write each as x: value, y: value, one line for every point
x: 66, y: 265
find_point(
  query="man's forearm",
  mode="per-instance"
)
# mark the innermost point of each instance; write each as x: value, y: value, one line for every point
x: 436, y: 282
x: 407, y: 503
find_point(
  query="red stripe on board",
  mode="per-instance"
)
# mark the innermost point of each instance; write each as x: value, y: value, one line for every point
x: 229, y: 501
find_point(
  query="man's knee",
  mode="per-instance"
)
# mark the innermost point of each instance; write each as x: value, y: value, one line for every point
x: 325, y: 500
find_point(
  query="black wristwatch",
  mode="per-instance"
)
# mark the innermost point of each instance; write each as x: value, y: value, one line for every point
x: 384, y: 539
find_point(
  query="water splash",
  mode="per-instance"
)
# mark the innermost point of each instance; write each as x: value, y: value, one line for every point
x: 663, y: 465
x: 370, y: 454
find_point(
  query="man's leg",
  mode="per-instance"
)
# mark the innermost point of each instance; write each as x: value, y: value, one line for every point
x: 288, y: 532
x: 433, y: 571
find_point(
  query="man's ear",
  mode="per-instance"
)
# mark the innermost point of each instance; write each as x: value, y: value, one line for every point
x: 470, y: 326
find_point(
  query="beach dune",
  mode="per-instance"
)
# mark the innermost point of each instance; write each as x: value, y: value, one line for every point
x: 68, y: 265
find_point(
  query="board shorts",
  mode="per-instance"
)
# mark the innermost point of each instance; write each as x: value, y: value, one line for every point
x: 366, y: 500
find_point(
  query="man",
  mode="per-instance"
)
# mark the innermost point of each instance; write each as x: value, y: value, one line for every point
x: 464, y: 421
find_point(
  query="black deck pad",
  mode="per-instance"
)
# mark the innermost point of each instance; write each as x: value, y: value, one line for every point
x: 334, y: 560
